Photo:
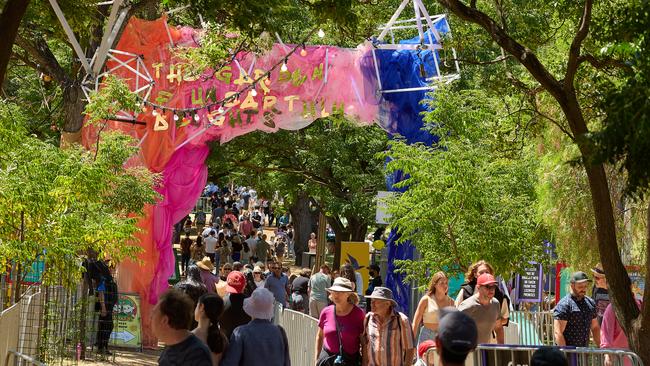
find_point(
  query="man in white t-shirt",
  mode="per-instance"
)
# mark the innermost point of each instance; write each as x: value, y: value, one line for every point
x: 252, y: 245
x: 211, y: 247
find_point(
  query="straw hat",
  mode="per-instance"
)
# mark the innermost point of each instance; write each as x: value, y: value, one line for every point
x: 341, y: 284
x: 205, y: 264
x: 260, y: 304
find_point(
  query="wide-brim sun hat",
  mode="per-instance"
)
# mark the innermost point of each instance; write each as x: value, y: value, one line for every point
x: 382, y: 293
x: 341, y: 284
x: 260, y: 304
x: 205, y: 264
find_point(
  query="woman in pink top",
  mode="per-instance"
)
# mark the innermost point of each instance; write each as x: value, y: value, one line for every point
x: 612, y: 335
x: 350, y: 319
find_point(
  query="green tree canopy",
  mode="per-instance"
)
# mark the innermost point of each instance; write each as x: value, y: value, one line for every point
x: 56, y: 204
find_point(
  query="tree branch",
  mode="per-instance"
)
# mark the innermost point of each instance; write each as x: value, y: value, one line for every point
x: 43, y: 58
x: 574, y: 51
x: 475, y: 62
x: 527, y: 58
x: 603, y: 63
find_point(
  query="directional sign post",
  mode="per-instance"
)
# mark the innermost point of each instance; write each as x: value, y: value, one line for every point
x: 127, y: 331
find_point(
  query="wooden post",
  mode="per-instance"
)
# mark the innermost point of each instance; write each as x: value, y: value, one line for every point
x: 322, y: 243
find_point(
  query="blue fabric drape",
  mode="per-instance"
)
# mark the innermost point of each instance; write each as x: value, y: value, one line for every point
x: 402, y: 116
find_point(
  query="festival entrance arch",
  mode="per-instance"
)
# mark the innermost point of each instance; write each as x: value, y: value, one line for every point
x: 287, y: 88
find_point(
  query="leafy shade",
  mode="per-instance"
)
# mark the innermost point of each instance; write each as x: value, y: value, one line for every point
x: 465, y: 201
x: 58, y: 203
x: 626, y: 133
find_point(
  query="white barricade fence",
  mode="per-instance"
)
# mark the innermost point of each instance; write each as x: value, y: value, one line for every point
x: 301, y: 332
x: 509, y: 355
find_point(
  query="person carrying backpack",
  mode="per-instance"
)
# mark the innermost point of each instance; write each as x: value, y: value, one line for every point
x: 103, y: 283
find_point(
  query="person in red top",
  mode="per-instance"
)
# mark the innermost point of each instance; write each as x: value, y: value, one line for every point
x: 246, y: 226
x: 231, y: 216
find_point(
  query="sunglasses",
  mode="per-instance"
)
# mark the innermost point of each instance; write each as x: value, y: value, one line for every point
x: 491, y: 287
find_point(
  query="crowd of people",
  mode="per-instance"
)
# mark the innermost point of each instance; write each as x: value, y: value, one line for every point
x: 234, y: 274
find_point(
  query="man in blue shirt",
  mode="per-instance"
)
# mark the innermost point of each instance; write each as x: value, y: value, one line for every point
x: 260, y: 342
x: 575, y: 315
x: 278, y: 283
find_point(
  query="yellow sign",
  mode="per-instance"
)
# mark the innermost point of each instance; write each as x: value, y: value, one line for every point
x: 378, y: 244
x: 127, y: 331
x: 357, y: 254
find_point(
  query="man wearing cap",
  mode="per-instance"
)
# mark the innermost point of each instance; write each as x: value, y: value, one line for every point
x: 600, y: 292
x: 260, y: 342
x: 575, y: 314
x: 387, y: 338
x: 209, y: 279
x: 483, y: 308
x: 234, y: 314
x: 457, y: 337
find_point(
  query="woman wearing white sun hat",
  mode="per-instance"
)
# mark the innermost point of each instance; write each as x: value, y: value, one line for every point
x: 340, y: 326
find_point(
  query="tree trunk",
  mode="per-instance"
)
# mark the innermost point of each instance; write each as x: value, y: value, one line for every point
x: 357, y: 229
x: 73, y: 105
x: 302, y: 223
x: 340, y: 235
x: 10, y: 19
x: 617, y: 276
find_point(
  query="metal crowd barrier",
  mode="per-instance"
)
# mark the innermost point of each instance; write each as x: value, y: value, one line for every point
x: 501, y: 355
x: 535, y: 328
x: 18, y: 355
x: 301, y: 332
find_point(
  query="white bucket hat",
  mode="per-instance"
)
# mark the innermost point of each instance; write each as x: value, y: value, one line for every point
x: 341, y: 284
x: 260, y: 304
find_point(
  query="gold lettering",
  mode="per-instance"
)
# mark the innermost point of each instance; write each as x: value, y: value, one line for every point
x: 157, y: 66
x: 163, y: 97
x: 297, y: 79
x: 249, y: 102
x: 224, y: 74
x: 243, y: 79
x: 161, y: 123
x: 269, y: 102
x: 177, y: 75
x: 318, y: 73
x: 263, y: 82
x: 232, y: 103
x: 197, y: 96
x: 338, y: 108
x: 284, y: 76
x: 216, y: 118
x: 291, y: 99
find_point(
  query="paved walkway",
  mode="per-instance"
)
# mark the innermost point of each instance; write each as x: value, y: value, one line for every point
x: 119, y: 357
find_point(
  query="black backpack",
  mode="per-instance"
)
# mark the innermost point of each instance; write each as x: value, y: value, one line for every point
x: 110, y: 292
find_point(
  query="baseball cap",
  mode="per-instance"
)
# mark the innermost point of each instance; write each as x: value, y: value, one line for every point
x: 424, y: 347
x: 578, y: 277
x: 457, y: 331
x: 485, y: 279
x: 236, y: 282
